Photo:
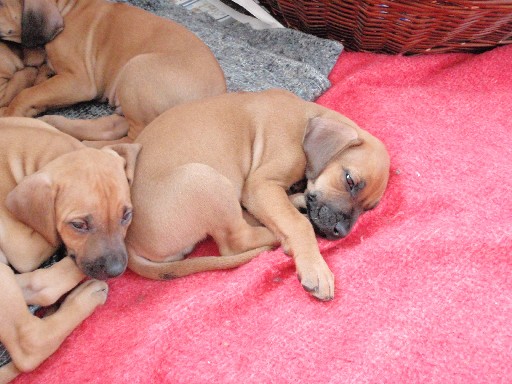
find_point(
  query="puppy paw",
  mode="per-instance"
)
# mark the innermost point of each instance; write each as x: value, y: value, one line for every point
x: 87, y: 296
x: 316, y: 278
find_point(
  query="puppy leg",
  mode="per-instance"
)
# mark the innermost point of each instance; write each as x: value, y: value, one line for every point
x: 29, y: 339
x: 234, y: 235
x: 20, y: 80
x: 44, y: 72
x: 177, y: 211
x: 8, y: 373
x: 45, y: 286
x: 58, y: 91
x: 298, y: 200
x: 105, y: 128
x: 268, y: 202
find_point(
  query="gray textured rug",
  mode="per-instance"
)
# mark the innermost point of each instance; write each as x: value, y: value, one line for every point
x: 252, y: 60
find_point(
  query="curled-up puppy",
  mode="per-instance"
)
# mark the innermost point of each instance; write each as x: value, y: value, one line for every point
x: 55, y: 191
x: 142, y: 64
x: 202, y: 161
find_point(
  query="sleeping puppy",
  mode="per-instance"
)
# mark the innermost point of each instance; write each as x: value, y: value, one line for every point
x: 140, y: 63
x: 202, y: 161
x: 55, y: 191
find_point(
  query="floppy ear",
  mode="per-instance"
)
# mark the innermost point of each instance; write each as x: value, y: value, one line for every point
x: 324, y: 139
x: 129, y: 153
x: 40, y: 23
x: 33, y: 203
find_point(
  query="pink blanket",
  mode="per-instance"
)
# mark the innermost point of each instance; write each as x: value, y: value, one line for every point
x: 423, y: 283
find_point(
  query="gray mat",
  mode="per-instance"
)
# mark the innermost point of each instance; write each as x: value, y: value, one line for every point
x: 252, y: 61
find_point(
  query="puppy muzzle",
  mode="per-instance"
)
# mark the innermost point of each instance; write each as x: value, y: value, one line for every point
x: 328, y: 222
x: 36, y: 31
x: 105, y: 266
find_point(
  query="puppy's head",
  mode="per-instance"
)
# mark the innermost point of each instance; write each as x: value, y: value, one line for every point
x: 30, y: 22
x: 82, y: 199
x: 347, y: 172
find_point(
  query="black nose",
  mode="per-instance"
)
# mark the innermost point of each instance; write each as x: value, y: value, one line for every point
x: 115, y: 267
x: 341, y: 229
x: 311, y: 197
x: 106, y: 266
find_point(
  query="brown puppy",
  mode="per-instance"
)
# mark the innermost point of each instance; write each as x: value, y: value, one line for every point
x: 200, y: 160
x: 53, y: 191
x: 142, y: 64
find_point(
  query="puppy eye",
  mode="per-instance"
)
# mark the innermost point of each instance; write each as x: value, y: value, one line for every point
x: 127, y: 217
x: 80, y: 226
x: 350, y: 181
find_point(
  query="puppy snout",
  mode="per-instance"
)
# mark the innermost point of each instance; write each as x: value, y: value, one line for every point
x: 105, y: 266
x: 327, y: 221
x: 341, y: 229
x: 115, y: 267
x: 311, y: 197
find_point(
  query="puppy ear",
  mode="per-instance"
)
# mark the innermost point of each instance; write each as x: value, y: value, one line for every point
x: 33, y: 203
x: 324, y: 139
x: 129, y: 153
x: 40, y: 23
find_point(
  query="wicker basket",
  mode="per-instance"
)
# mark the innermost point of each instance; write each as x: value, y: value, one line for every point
x: 398, y: 26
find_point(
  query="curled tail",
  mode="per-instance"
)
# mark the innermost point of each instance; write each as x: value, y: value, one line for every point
x: 173, y: 269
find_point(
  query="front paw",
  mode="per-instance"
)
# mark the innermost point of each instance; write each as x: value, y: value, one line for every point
x: 84, y: 299
x: 316, y: 277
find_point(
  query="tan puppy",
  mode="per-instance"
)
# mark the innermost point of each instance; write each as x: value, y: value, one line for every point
x: 200, y: 160
x: 53, y: 191
x: 140, y: 63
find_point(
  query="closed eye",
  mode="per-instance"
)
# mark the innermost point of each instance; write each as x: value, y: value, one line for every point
x: 81, y: 226
x: 127, y: 216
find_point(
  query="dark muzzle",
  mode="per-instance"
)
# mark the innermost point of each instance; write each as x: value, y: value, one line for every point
x: 106, y: 266
x: 328, y: 222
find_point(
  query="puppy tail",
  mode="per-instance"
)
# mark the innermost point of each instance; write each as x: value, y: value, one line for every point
x: 174, y: 269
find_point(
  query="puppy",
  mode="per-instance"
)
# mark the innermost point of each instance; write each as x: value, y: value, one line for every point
x: 55, y: 191
x: 202, y: 161
x: 142, y: 64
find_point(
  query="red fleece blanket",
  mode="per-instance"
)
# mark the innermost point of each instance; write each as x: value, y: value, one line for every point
x: 423, y: 283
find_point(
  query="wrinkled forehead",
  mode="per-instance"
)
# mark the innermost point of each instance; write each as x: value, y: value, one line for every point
x: 96, y: 181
